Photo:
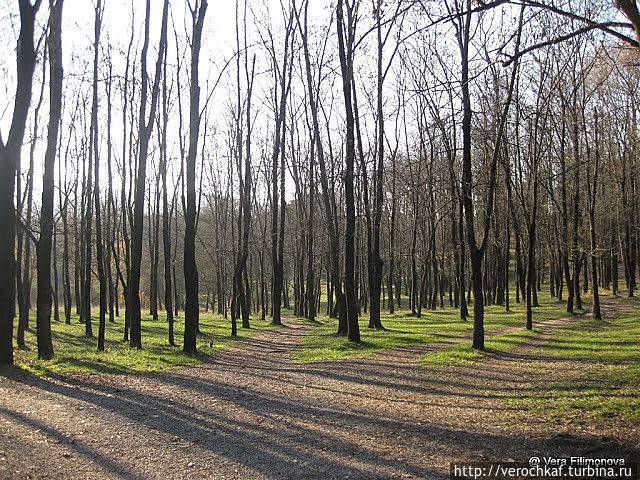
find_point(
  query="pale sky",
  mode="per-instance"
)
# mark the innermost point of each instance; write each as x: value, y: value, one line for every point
x: 219, y: 44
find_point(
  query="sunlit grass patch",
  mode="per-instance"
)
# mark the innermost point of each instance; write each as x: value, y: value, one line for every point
x: 76, y: 353
x: 326, y: 345
x: 607, y: 391
x: 607, y: 383
x: 403, y: 329
x: 463, y: 353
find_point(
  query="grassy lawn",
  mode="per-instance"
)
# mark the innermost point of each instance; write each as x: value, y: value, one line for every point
x: 404, y: 329
x: 598, y: 374
x: 462, y: 353
x: 605, y: 379
x: 74, y: 352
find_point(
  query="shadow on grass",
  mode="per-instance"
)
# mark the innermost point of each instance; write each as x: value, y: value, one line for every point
x: 256, y: 390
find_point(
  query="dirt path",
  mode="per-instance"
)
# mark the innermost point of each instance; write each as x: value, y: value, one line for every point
x: 252, y: 414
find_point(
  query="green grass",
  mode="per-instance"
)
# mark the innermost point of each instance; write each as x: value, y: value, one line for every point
x: 604, y: 378
x: 403, y: 329
x: 607, y: 382
x: 463, y: 353
x: 76, y: 353
x: 548, y: 309
x: 608, y: 392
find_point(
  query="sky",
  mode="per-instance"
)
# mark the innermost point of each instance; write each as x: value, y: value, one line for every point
x: 78, y: 16
x: 218, y: 46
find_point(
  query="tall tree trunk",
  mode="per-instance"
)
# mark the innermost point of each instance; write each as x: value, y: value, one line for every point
x: 77, y: 244
x: 476, y: 252
x: 392, y: 239
x: 464, y: 311
x: 376, y: 263
x: 24, y: 253
x: 102, y: 279
x: 66, y: 275
x: 154, y: 252
x: 310, y: 300
x: 85, y: 287
x: 110, y: 228
x: 345, y: 50
x: 25, y: 280
x: 9, y: 160
x: 125, y: 204
x: 55, y: 294
x: 145, y: 127
x: 592, y: 188
x: 43, y: 314
x: 166, y: 214
x: 192, y: 308
x: 565, y: 218
x: 282, y: 83
x: 507, y: 263
x: 531, y: 256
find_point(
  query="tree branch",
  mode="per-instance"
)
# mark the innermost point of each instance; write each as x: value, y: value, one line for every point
x: 561, y: 39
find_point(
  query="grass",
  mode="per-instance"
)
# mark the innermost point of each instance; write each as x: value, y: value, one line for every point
x: 76, y: 353
x: 603, y: 380
x: 605, y: 383
x: 603, y: 356
x: 404, y: 329
x: 549, y: 308
x: 609, y: 392
x: 463, y: 353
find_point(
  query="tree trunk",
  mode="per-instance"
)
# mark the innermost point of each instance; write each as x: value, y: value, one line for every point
x: 145, y: 127
x: 345, y: 49
x: 43, y: 314
x: 9, y: 160
x: 592, y: 188
x: 192, y: 308
x: 102, y: 279
x: 166, y: 214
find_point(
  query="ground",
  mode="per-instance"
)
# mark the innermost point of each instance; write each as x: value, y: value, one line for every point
x: 255, y: 410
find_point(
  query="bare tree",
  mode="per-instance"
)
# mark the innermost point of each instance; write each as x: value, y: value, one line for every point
x: 166, y: 214
x: 346, y: 42
x: 476, y: 252
x: 192, y: 307
x: 9, y: 160
x: 43, y: 314
x: 145, y: 128
x: 592, y: 189
x: 100, y: 261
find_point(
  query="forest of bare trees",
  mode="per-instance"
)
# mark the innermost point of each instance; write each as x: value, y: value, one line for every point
x: 343, y: 159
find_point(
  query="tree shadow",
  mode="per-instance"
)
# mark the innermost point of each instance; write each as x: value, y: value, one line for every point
x: 114, y: 467
x: 249, y: 406
x: 272, y: 448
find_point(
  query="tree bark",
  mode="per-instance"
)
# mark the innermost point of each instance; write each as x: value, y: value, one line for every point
x: 192, y: 308
x: 145, y: 127
x: 43, y: 314
x: 102, y: 279
x: 592, y: 187
x: 345, y: 50
x: 166, y: 214
x: 9, y: 160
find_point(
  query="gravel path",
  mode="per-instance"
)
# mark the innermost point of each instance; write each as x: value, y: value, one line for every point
x: 253, y: 414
